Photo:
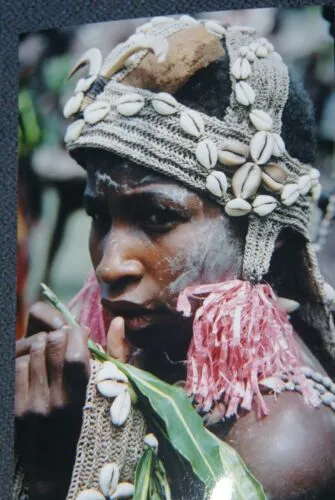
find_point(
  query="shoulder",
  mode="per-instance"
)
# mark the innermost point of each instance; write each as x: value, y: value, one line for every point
x: 292, y: 450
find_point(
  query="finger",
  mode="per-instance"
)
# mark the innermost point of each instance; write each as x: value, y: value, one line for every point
x: 55, y: 353
x: 21, y: 384
x: 77, y: 365
x: 117, y: 345
x: 23, y: 345
x: 38, y: 378
x: 44, y: 317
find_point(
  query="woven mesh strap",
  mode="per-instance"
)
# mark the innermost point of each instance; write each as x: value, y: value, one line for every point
x: 100, y: 442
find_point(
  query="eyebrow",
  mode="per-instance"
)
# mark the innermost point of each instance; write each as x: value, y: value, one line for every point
x: 142, y: 195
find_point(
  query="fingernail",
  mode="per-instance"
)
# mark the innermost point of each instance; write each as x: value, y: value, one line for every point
x: 57, y: 322
x: 118, y: 322
x: 65, y: 328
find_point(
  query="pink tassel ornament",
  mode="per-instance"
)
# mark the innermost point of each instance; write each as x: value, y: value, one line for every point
x: 239, y: 338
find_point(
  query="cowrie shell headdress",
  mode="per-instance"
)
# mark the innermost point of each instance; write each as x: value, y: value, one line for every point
x: 240, y: 161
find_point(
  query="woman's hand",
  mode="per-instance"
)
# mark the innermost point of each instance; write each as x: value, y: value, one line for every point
x: 52, y: 371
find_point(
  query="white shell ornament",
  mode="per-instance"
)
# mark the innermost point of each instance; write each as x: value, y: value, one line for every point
x: 84, y: 84
x: 192, y: 123
x: 73, y: 105
x: 74, y: 130
x: 90, y: 494
x: 164, y: 104
x: 111, y: 388
x: 304, y: 184
x: 241, y: 68
x: 245, y: 94
x: 237, y: 207
x: 264, y: 204
x: 278, y: 145
x: 329, y: 293
x: 274, y: 177
x: 92, y: 58
x: 260, y: 119
x: 123, y: 490
x: 232, y: 153
x: 261, y: 51
x: 120, y: 408
x: 110, y: 372
x: 109, y: 477
x: 130, y: 104
x: 261, y: 147
x: 206, y: 153
x: 314, y: 175
x: 246, y: 180
x: 290, y: 194
x: 216, y: 183
x: 151, y: 440
x: 287, y: 305
x: 96, y: 112
x: 215, y: 28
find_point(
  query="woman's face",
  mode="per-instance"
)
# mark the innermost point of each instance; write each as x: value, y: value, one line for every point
x: 150, y: 238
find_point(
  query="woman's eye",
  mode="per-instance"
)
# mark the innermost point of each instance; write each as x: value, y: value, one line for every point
x: 162, y: 220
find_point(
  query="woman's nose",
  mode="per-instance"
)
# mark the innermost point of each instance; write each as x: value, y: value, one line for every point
x: 120, y: 265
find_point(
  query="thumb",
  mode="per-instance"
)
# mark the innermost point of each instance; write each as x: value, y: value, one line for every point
x: 117, y: 345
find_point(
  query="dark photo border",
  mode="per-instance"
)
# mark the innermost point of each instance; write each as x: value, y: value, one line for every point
x: 19, y: 16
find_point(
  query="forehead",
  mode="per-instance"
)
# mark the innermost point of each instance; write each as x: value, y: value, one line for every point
x: 106, y: 168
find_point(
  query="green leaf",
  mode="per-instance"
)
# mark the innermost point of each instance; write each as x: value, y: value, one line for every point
x: 143, y: 475
x: 211, y: 459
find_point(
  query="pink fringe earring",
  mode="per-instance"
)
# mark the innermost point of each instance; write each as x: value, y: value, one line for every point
x: 240, y: 336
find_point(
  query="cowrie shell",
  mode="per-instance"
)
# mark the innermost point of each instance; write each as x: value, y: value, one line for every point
x: 123, y: 490
x: 90, y: 494
x: 109, y: 477
x: 261, y: 146
x: 254, y: 46
x: 216, y: 183
x: 188, y: 19
x: 74, y: 130
x: 110, y: 372
x: 151, y: 440
x: 269, y: 47
x: 232, y: 153
x: 245, y: 94
x: 130, y: 104
x: 287, y: 305
x: 111, y: 388
x: 260, y: 119
x: 120, y: 408
x: 264, y: 204
x: 278, y: 145
x: 314, y: 175
x: 164, y: 104
x: 206, y: 153
x: 251, y: 56
x: 261, y: 51
x: 290, y: 194
x: 192, y: 123
x: 243, y: 50
x: 215, y: 28
x: 84, y: 84
x: 304, y: 184
x: 237, y: 207
x: 73, y: 105
x: 246, y: 180
x: 241, y: 68
x: 96, y: 112
x: 316, y: 192
x: 274, y: 177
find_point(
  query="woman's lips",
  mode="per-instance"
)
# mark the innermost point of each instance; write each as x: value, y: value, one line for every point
x: 136, y: 323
